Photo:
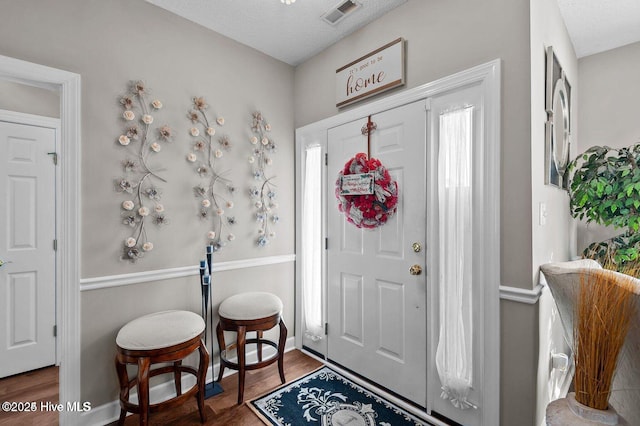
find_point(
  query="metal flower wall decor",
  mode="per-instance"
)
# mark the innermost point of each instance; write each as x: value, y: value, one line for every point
x: 139, y: 182
x: 263, y: 194
x: 205, y: 153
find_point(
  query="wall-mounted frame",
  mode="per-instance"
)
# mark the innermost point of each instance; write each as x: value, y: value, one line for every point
x: 376, y: 72
x: 558, y: 124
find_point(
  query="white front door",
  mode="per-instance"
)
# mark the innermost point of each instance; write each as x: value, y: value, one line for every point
x: 376, y: 308
x: 27, y: 233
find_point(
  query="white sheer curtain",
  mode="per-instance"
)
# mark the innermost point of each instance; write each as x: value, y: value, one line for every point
x: 454, y: 354
x: 311, y: 256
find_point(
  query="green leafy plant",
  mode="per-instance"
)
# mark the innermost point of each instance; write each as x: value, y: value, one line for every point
x: 605, y: 189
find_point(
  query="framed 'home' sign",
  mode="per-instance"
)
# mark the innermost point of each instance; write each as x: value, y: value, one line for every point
x: 375, y: 72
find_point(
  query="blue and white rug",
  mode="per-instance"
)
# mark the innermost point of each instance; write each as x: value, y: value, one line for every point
x: 326, y: 398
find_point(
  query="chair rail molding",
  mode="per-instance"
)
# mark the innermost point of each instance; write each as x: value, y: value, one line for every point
x: 96, y: 283
x: 521, y: 295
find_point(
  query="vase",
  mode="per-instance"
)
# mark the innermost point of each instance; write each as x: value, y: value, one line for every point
x: 569, y: 412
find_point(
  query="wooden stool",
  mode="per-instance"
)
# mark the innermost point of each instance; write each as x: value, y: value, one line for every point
x: 163, y: 337
x: 244, y: 312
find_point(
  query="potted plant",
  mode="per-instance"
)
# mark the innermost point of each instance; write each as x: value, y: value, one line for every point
x: 604, y: 187
x: 604, y: 310
x: 603, y: 315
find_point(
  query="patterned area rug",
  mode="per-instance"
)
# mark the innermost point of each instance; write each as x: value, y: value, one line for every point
x: 326, y: 398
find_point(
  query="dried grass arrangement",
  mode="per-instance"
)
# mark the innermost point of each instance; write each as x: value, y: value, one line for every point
x: 604, y: 312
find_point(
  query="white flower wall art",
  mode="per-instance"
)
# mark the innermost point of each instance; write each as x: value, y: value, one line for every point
x: 263, y: 193
x: 214, y: 191
x: 139, y: 183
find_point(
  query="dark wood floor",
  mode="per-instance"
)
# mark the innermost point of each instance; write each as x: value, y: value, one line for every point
x: 222, y: 409
x: 42, y: 385
x: 35, y: 386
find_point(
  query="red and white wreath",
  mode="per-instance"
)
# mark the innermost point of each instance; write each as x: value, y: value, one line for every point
x: 369, y: 210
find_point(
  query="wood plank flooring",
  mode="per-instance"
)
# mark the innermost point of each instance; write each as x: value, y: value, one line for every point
x: 35, y: 386
x: 222, y: 409
x: 42, y: 385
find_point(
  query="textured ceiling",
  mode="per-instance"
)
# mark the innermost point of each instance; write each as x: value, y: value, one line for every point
x: 296, y: 32
x: 598, y: 25
x: 291, y: 33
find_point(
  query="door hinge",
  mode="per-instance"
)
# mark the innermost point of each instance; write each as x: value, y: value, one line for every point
x: 54, y: 157
x: 55, y: 331
x: 326, y: 243
x: 326, y: 328
x: 326, y: 159
x: 55, y: 245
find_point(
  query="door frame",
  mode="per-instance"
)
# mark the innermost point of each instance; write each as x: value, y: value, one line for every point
x: 68, y: 204
x: 488, y: 77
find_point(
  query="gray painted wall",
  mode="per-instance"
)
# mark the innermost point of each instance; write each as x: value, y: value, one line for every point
x: 609, y: 110
x: 108, y: 44
x: 179, y: 60
x: 553, y: 241
x: 444, y: 37
x: 28, y: 99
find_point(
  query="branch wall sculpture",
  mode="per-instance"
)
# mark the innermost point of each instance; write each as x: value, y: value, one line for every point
x: 140, y: 181
x: 205, y: 154
x: 263, y: 194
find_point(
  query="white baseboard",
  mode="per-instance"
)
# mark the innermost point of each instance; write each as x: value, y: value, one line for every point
x: 109, y: 412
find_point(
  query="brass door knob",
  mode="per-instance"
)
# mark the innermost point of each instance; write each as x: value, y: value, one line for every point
x: 415, y: 270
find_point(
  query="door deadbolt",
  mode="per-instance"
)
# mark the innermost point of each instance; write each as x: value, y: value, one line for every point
x: 415, y: 270
x: 416, y: 247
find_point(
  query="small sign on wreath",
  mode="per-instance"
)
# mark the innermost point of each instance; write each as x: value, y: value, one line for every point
x: 363, y: 208
x: 361, y: 184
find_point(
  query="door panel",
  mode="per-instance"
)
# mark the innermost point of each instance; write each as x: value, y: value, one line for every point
x: 22, y: 212
x: 376, y: 309
x: 351, y: 308
x: 22, y: 309
x: 27, y: 232
x: 391, y: 235
x: 391, y: 305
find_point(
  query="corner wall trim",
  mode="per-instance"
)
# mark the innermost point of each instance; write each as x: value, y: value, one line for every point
x: 87, y: 284
x: 521, y: 295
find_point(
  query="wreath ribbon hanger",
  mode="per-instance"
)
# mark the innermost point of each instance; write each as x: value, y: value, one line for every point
x: 368, y: 128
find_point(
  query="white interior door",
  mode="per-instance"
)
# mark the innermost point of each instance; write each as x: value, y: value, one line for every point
x: 376, y: 308
x: 27, y: 233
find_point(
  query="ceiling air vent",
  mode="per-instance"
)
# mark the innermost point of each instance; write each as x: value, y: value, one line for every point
x: 338, y: 12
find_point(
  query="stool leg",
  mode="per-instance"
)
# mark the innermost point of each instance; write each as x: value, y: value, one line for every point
x: 221, y: 347
x: 202, y: 379
x: 177, y: 377
x: 259, y: 336
x: 241, y: 362
x: 123, y: 378
x: 281, y: 343
x: 143, y: 389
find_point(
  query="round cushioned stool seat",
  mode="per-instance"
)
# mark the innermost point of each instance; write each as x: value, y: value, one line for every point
x: 247, y: 312
x: 250, y: 306
x: 160, y: 330
x: 164, y: 338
